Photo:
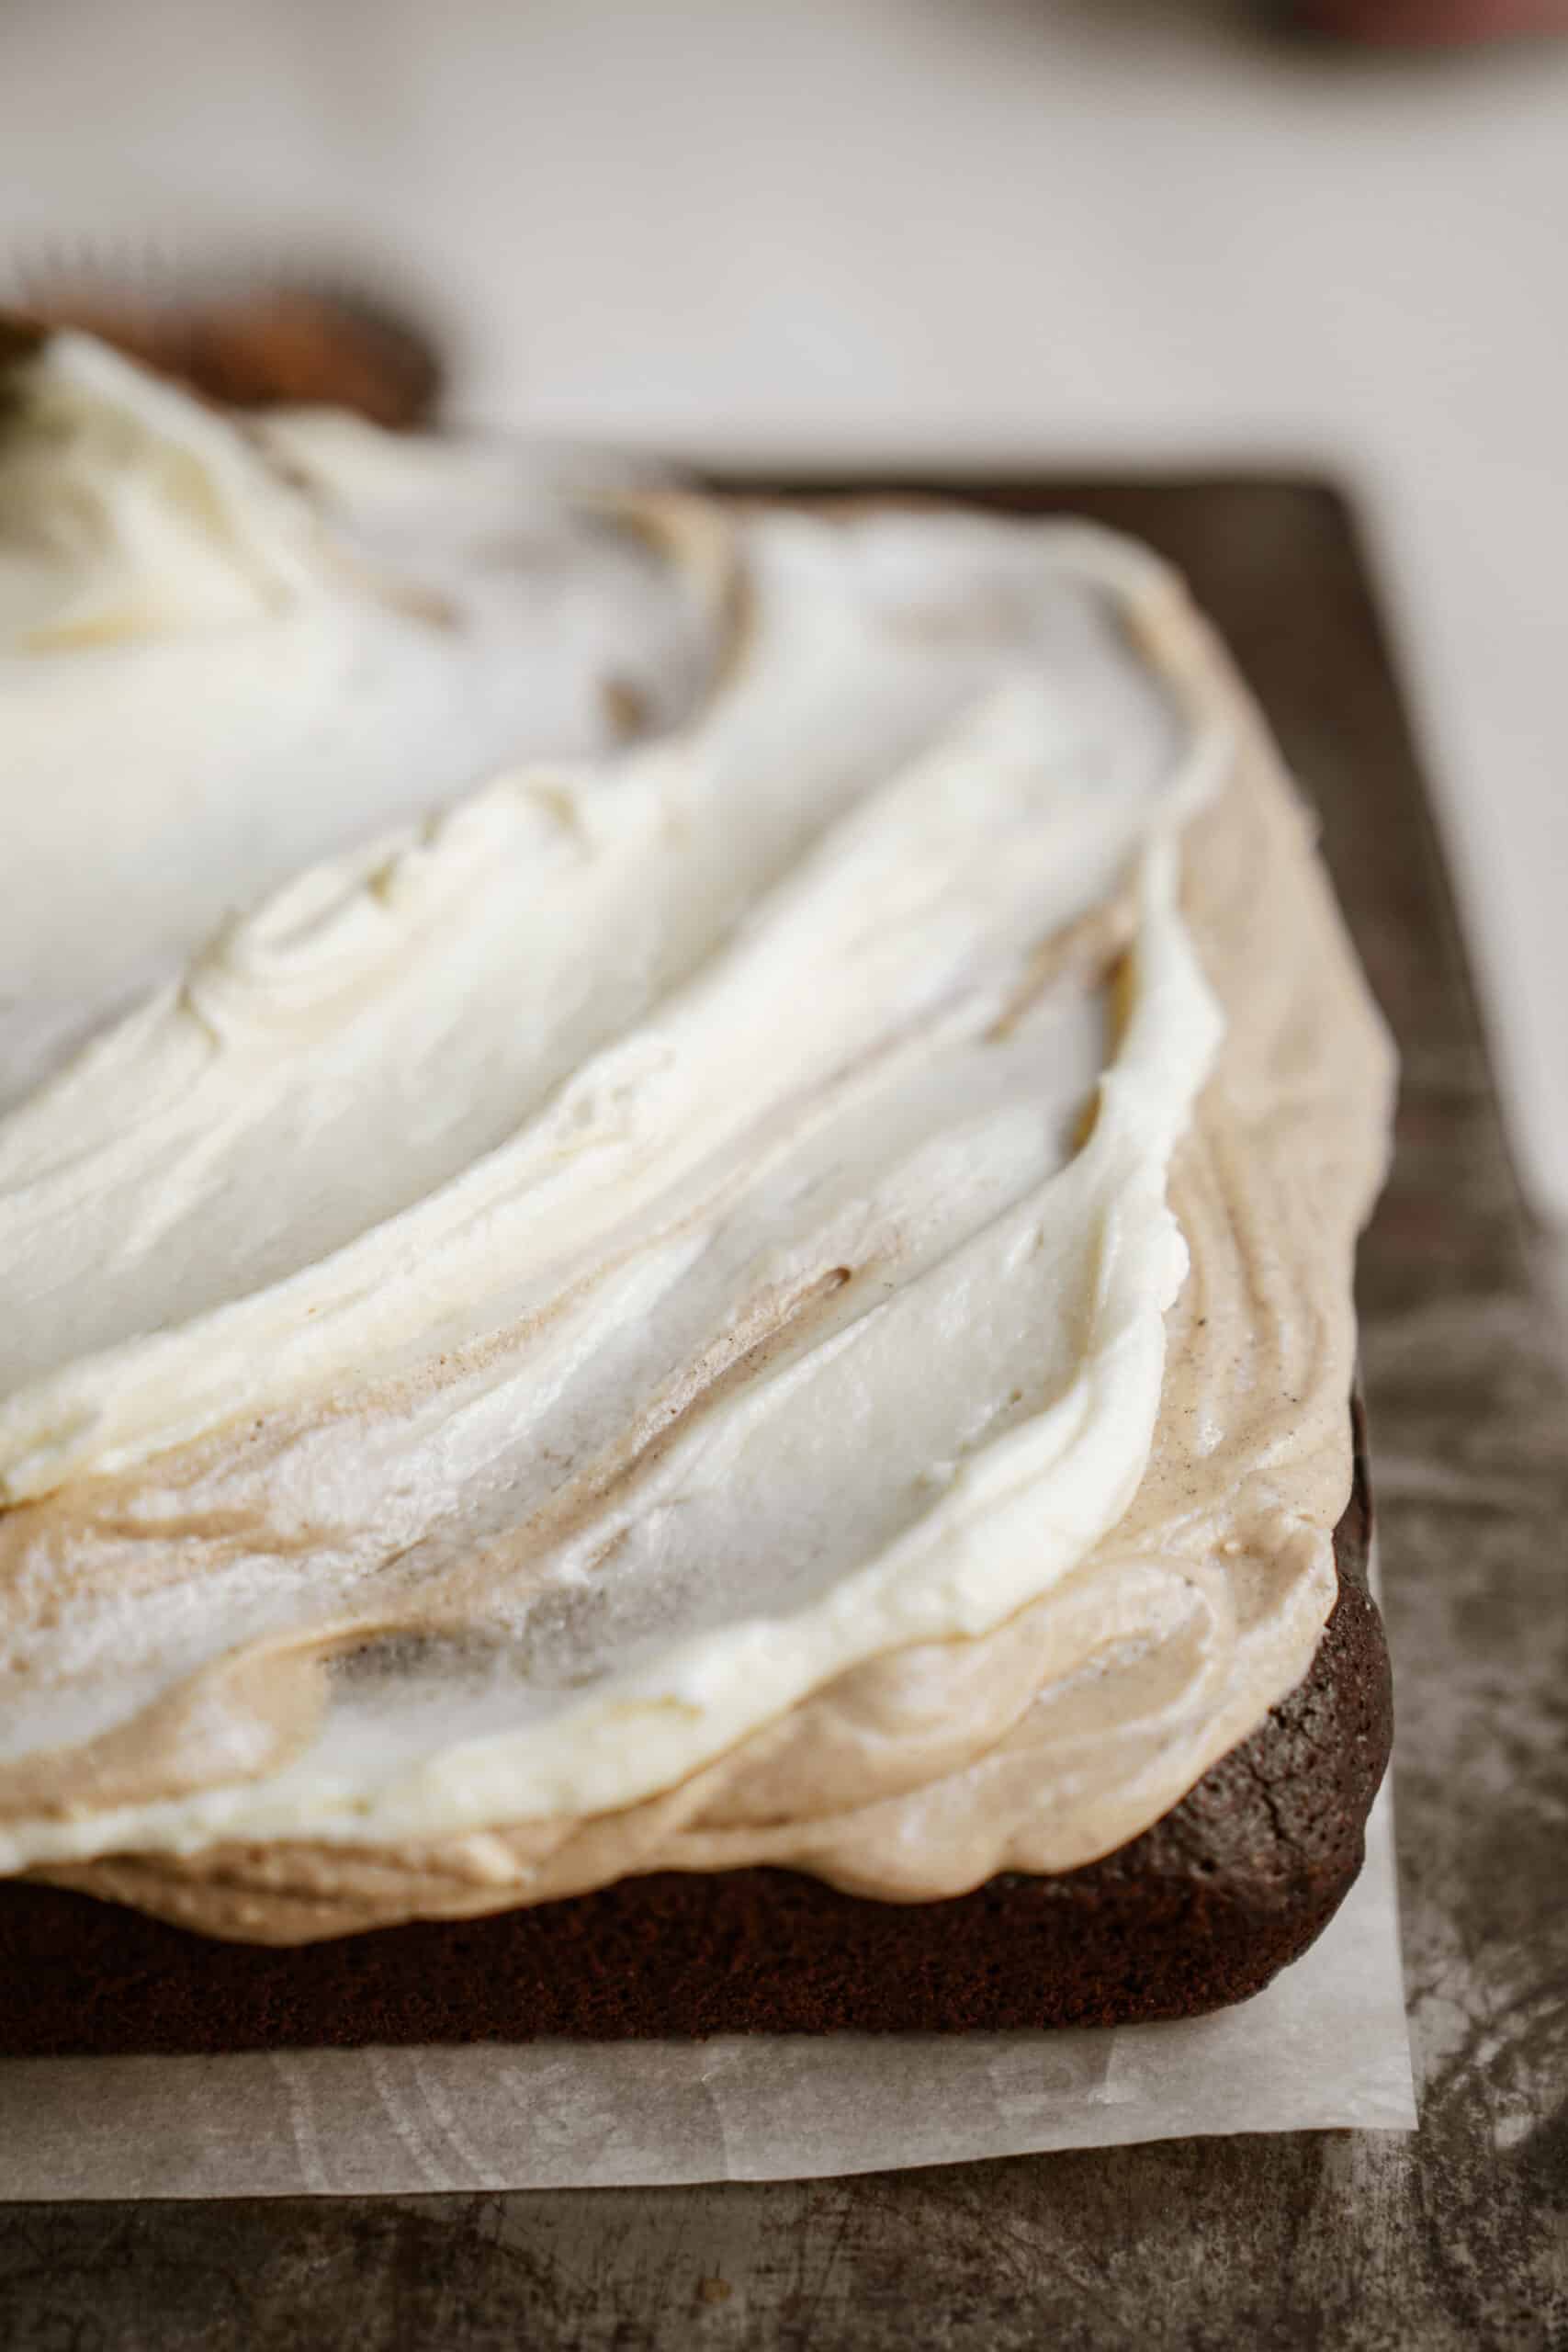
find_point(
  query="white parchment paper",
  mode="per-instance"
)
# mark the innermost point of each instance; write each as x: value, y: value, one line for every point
x: 1324, y: 2045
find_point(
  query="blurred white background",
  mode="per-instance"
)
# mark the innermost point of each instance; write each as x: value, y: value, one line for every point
x: 999, y: 229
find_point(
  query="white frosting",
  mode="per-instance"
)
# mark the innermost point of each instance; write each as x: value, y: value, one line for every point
x: 637, y: 1234
x: 211, y: 673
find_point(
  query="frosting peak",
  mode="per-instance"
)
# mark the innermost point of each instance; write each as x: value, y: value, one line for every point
x: 130, y: 511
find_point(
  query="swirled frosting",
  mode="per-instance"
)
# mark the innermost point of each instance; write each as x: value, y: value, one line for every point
x: 227, y: 652
x: 644, y: 1322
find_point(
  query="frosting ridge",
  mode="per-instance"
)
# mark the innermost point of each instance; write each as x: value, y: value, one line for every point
x: 227, y: 652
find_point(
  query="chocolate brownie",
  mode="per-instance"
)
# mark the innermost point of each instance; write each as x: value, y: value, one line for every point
x: 263, y: 346
x: 1200, y: 1910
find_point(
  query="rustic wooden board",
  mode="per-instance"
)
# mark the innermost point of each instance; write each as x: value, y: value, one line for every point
x: 1456, y: 2237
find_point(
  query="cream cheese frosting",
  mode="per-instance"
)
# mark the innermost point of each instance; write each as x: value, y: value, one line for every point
x: 642, y: 1322
x: 226, y: 651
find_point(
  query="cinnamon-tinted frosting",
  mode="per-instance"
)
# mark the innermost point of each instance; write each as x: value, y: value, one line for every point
x: 780, y: 1296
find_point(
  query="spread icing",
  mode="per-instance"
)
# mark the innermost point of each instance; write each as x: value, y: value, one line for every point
x: 641, y: 1322
x: 226, y: 651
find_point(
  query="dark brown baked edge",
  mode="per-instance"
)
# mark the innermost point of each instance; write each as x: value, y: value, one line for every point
x: 272, y: 343
x: 1199, y: 1911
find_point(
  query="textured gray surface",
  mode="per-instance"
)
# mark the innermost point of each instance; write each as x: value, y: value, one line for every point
x: 1455, y: 2237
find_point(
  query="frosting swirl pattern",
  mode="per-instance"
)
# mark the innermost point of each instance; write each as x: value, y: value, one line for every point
x: 642, y: 1322
x: 226, y: 651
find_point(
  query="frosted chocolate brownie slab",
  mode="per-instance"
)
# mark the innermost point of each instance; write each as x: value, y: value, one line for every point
x: 843, y: 1370
x: 1202, y: 1910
